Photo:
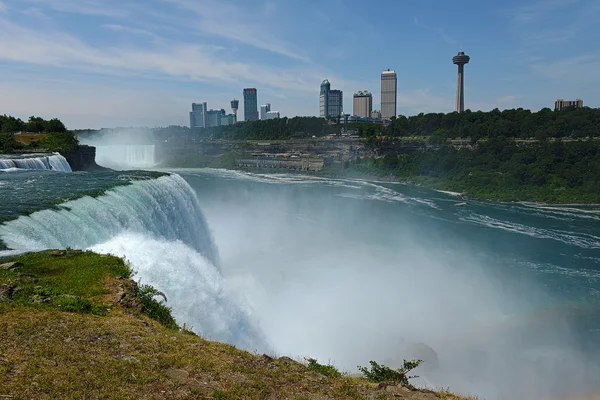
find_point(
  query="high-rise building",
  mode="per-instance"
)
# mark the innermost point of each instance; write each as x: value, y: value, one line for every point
x: 461, y: 59
x: 389, y: 94
x: 201, y: 117
x: 562, y: 103
x: 250, y: 105
x: 264, y: 109
x: 362, y: 103
x: 376, y: 114
x: 336, y: 103
x: 324, y: 99
x: 198, y: 115
x: 331, y: 102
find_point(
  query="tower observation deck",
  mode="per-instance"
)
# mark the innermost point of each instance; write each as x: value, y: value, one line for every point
x: 460, y: 59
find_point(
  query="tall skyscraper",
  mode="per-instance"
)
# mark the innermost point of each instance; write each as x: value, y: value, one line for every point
x: 324, y: 99
x: 250, y: 105
x: 331, y: 102
x: 362, y: 104
x: 264, y: 109
x: 336, y: 103
x: 389, y: 93
x: 461, y: 59
x: 562, y: 103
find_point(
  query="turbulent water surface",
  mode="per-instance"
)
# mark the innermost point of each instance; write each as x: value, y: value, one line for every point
x: 499, y: 299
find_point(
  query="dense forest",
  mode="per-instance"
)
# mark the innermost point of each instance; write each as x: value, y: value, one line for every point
x: 520, y: 123
x: 35, y: 134
x: 497, y: 169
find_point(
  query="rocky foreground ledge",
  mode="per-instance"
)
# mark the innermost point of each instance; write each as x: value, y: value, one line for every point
x: 75, y: 325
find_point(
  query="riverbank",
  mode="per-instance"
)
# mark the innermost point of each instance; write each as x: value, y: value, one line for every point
x: 74, y: 324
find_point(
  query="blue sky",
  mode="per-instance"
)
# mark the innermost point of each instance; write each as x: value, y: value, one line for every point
x: 104, y: 63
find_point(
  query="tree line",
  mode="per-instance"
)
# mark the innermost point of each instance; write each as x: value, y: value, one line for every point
x: 10, y: 124
x: 56, y: 138
x: 497, y: 169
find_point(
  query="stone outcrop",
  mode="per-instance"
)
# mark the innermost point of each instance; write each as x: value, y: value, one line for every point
x: 83, y: 158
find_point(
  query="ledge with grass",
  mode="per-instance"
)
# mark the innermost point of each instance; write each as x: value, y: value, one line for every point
x: 74, y: 324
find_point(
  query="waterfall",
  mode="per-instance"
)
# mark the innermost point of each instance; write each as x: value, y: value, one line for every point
x: 159, y: 227
x: 166, y: 207
x: 125, y: 156
x: 54, y: 162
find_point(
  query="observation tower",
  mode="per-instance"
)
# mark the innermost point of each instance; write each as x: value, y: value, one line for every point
x: 234, y: 106
x: 461, y: 59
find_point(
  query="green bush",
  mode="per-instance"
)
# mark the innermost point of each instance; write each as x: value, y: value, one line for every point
x: 382, y: 373
x: 155, y: 309
x: 327, y: 370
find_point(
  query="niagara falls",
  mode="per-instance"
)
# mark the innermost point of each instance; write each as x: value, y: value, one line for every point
x: 342, y: 270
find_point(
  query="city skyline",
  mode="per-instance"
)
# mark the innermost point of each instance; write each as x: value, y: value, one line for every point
x: 108, y: 63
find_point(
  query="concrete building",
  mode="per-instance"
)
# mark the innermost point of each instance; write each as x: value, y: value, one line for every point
x: 362, y: 104
x: 264, y: 109
x: 562, y: 103
x: 198, y: 115
x: 250, y: 105
x: 336, y: 103
x: 461, y: 59
x: 389, y: 94
x: 376, y: 114
x: 331, y: 102
x: 201, y: 117
x: 271, y: 115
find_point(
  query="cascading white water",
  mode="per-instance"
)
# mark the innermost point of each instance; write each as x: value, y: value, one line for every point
x: 165, y: 207
x: 55, y: 162
x: 159, y: 227
x: 194, y: 287
x: 125, y: 156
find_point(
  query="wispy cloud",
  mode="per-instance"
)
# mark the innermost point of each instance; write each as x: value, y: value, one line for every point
x: 128, y: 29
x: 535, y: 12
x: 536, y: 23
x: 439, y: 31
x: 229, y: 21
x: 3, y: 7
x: 180, y: 60
x: 86, y: 7
x: 583, y: 69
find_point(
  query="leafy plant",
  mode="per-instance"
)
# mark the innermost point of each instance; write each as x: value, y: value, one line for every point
x: 383, y: 373
x: 327, y: 370
x: 155, y: 309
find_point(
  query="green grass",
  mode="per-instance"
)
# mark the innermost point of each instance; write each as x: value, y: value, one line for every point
x: 74, y: 325
x: 70, y: 280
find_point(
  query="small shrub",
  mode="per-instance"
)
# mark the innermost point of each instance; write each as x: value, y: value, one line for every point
x: 327, y: 370
x: 155, y: 309
x: 382, y: 373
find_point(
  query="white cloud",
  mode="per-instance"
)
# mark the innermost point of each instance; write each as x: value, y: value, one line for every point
x: 128, y: 29
x: 537, y: 11
x: 227, y: 21
x: 87, y: 7
x: 179, y: 60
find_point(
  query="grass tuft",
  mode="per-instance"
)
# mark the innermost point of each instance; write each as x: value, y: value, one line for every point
x: 327, y: 370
